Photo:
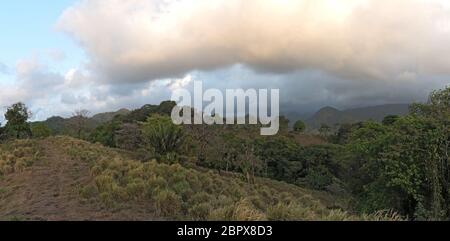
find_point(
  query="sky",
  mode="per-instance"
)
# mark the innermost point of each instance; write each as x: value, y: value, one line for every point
x: 103, y: 55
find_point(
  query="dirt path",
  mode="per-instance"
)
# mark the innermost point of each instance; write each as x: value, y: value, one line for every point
x: 49, y: 190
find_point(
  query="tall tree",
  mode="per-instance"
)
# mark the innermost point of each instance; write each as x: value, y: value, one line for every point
x: 299, y: 126
x: 17, y: 116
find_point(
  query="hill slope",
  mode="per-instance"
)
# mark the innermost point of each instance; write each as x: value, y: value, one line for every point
x: 68, y: 179
x: 332, y: 116
x: 109, y: 116
x: 49, y: 188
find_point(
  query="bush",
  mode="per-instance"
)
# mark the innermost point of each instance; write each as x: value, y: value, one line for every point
x: 40, y: 130
x: 319, y: 178
x: 136, y: 189
x: 162, y: 134
x: 244, y: 210
x: 88, y: 192
x: 200, y: 211
x: 168, y: 203
x: 290, y: 212
x: 104, y: 183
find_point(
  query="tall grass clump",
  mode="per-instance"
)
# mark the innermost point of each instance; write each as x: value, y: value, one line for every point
x: 16, y: 156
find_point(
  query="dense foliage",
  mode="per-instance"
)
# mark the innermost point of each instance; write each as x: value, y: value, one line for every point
x: 404, y: 165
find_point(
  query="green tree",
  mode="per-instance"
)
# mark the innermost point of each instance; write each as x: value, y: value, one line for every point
x: 324, y: 129
x: 17, y: 116
x: 436, y: 107
x: 40, y: 130
x: 405, y: 166
x: 343, y: 133
x: 164, y: 136
x: 2, y: 133
x: 281, y: 155
x: 390, y: 120
x: 106, y: 133
x: 299, y: 126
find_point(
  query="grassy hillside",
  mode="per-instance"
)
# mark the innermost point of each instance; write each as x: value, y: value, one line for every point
x: 61, y: 178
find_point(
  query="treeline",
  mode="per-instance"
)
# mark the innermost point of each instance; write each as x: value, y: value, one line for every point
x: 401, y: 164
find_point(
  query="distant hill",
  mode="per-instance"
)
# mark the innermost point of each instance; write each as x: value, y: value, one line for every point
x: 327, y: 115
x: 109, y: 116
x: 58, y: 124
x: 332, y: 116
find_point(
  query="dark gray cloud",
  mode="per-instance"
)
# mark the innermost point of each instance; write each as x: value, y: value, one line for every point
x: 307, y: 91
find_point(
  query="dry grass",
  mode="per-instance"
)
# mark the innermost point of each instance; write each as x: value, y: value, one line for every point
x: 16, y: 156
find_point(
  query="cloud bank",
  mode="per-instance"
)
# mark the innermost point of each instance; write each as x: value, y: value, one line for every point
x: 141, y: 40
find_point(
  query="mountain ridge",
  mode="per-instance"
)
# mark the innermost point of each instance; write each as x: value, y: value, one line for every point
x: 332, y: 116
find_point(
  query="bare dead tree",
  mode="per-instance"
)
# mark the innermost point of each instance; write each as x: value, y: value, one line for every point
x: 80, y: 118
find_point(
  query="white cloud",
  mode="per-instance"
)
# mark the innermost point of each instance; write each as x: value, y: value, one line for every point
x: 175, y: 84
x: 49, y: 93
x: 140, y: 40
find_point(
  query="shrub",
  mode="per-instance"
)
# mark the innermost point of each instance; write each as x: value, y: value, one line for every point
x: 289, y: 212
x: 200, y: 211
x: 244, y: 210
x: 40, y: 130
x: 136, y: 189
x: 162, y: 134
x: 108, y: 199
x: 224, y: 213
x: 20, y: 165
x: 154, y: 185
x: 168, y: 203
x: 319, y: 178
x: 88, y: 192
x: 104, y: 183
